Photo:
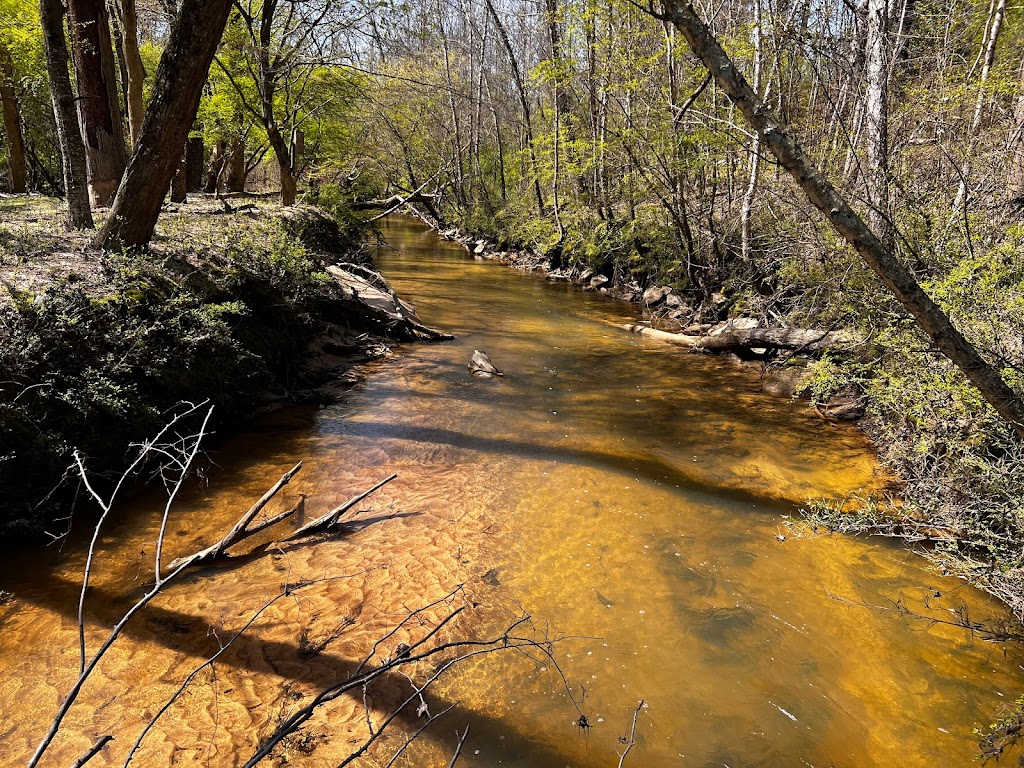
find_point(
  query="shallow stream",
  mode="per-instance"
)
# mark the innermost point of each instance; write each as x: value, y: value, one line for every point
x: 623, y: 493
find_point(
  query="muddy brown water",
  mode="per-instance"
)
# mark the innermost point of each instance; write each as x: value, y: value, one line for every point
x: 626, y: 495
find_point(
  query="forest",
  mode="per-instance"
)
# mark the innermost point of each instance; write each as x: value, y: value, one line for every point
x: 197, y: 201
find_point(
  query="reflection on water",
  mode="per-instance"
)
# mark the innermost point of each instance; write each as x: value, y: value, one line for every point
x: 622, y: 492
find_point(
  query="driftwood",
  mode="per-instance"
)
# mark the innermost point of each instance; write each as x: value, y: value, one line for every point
x: 241, y: 530
x: 333, y: 518
x: 796, y: 339
x: 379, y: 300
x: 396, y: 201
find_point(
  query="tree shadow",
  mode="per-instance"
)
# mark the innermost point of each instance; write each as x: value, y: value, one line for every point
x: 188, y: 634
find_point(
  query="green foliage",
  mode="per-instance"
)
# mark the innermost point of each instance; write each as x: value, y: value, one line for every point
x: 96, y: 364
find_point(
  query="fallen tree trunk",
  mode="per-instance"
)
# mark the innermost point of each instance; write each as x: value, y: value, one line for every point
x: 795, y: 339
x: 393, y: 201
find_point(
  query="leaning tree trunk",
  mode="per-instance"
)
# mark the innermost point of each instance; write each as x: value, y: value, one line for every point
x: 98, y: 107
x: 929, y: 316
x: 12, y: 122
x: 172, y: 111
x: 72, y: 149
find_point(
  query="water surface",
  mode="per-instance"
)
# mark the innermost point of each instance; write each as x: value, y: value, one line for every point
x: 622, y: 492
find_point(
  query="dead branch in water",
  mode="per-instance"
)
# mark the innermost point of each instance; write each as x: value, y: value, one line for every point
x: 452, y: 653
x: 421, y: 663
x: 632, y: 735
x: 179, y: 457
x: 810, y: 341
x: 94, y: 750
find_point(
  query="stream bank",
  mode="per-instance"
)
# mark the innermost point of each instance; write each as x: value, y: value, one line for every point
x: 244, y: 304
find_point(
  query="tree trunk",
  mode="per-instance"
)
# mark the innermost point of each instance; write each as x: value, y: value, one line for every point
x: 98, y: 108
x: 195, y: 158
x: 172, y: 109
x: 283, y: 157
x: 524, y: 102
x: 930, y: 317
x: 804, y: 340
x: 234, y: 171
x: 72, y: 149
x: 12, y: 123
x: 876, y: 120
x: 216, y: 165
x: 179, y: 184
x: 129, y: 20
x: 747, y: 207
x: 994, y: 27
x: 1015, y: 177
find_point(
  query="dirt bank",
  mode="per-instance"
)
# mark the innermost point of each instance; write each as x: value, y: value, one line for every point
x: 243, y: 305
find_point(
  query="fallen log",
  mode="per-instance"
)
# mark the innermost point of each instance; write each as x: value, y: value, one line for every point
x: 794, y: 339
x: 394, y: 200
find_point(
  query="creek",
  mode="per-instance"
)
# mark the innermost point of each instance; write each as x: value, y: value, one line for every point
x: 627, y: 495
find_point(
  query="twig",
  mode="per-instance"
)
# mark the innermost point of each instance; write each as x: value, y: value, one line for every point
x: 458, y: 747
x: 632, y: 734
x: 330, y: 519
x: 94, y: 750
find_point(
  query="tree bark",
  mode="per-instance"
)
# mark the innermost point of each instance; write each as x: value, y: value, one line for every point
x: 98, y: 108
x: 214, y: 170
x: 179, y: 183
x: 876, y: 119
x: 129, y: 20
x: 12, y: 123
x: 234, y: 172
x: 195, y: 158
x: 929, y: 316
x: 72, y: 149
x: 179, y: 83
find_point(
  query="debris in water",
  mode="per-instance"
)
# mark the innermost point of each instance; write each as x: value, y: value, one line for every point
x: 480, y: 365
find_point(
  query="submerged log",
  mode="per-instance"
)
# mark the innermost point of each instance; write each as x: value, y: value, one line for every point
x: 797, y: 339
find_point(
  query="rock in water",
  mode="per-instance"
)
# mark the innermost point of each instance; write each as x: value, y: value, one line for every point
x: 480, y: 365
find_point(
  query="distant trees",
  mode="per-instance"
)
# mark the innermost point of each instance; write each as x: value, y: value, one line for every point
x: 278, y: 58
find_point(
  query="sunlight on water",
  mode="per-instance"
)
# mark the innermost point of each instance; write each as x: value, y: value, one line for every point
x: 627, y: 495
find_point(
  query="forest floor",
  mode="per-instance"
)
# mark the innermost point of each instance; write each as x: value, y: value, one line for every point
x: 241, y: 303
